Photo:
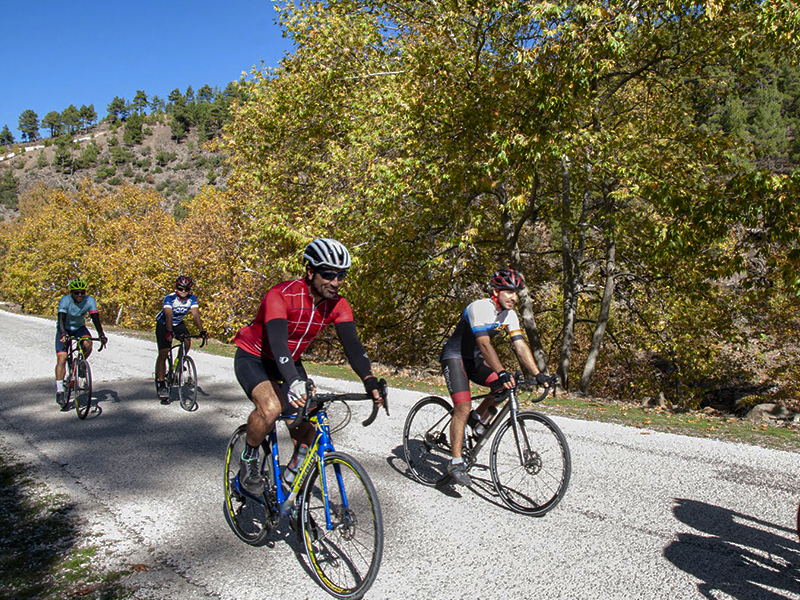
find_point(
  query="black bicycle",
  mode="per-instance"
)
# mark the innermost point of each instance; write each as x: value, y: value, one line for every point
x: 529, y: 461
x: 78, y: 378
x: 182, y: 372
x: 332, y: 503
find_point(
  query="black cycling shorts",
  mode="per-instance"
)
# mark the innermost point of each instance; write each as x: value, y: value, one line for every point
x: 161, y: 334
x: 251, y: 371
x: 459, y: 371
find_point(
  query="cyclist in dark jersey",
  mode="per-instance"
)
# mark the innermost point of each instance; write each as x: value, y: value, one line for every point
x: 268, y: 361
x: 169, y: 322
x: 469, y: 355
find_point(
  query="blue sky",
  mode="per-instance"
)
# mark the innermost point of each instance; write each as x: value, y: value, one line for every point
x: 59, y: 53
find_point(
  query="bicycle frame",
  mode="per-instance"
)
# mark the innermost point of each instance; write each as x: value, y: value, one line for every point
x: 322, y: 444
x: 75, y: 346
x: 512, y: 406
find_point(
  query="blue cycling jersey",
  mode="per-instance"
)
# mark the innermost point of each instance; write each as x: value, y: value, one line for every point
x: 179, y: 307
x: 76, y: 311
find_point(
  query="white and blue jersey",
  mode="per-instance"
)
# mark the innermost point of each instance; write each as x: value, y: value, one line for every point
x: 180, y: 308
x: 76, y: 311
x: 482, y: 317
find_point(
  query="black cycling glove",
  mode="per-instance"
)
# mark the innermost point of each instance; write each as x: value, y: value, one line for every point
x: 371, y: 383
x: 542, y: 378
x: 504, y: 377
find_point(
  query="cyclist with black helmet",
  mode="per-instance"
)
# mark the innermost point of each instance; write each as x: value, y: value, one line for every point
x: 268, y: 361
x: 469, y: 355
x: 72, y: 311
x: 169, y: 322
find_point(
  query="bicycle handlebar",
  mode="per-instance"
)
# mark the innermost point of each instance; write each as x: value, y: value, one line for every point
x: 187, y: 336
x: 315, y: 400
x: 78, y: 338
x: 552, y: 384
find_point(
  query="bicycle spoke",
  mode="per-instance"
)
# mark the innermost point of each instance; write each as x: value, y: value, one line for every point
x: 426, y: 444
x: 344, y: 557
x: 530, y: 464
x: 245, y: 516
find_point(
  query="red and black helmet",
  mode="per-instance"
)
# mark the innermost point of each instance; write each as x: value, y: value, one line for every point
x: 184, y: 281
x: 507, y: 279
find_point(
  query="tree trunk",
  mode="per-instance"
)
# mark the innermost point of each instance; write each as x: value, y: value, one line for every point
x: 602, y: 319
x: 511, y: 239
x: 572, y: 258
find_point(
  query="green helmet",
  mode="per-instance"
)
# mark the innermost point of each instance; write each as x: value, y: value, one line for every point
x: 77, y: 284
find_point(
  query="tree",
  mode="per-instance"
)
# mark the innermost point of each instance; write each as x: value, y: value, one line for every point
x: 6, y: 137
x: 29, y: 125
x: 8, y: 189
x: 175, y: 100
x: 205, y: 94
x: 117, y: 109
x: 133, y: 133
x: 157, y: 105
x: 140, y: 102
x: 87, y: 115
x: 505, y: 132
x: 53, y: 121
x: 71, y: 119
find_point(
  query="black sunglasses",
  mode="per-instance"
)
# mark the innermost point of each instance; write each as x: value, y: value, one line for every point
x: 79, y: 292
x: 181, y: 289
x: 331, y: 275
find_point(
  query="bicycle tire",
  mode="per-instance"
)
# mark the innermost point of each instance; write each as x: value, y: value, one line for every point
x: 426, y: 444
x: 798, y: 521
x: 536, y: 482
x: 83, y: 387
x: 68, y: 378
x: 345, y: 558
x: 246, y: 517
x: 187, y: 384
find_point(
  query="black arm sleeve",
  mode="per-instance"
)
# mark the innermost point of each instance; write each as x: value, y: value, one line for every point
x: 275, y: 335
x: 62, y: 323
x: 353, y: 349
x: 97, y: 326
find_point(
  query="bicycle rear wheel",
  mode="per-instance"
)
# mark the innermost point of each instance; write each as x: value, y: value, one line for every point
x: 344, y: 556
x: 246, y: 517
x: 530, y: 464
x: 187, y: 384
x: 83, y: 387
x: 426, y: 443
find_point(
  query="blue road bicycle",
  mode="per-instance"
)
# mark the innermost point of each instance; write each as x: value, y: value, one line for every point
x: 332, y: 504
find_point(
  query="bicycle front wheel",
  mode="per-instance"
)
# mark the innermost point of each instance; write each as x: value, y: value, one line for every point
x: 187, y: 384
x: 530, y: 464
x: 342, y: 526
x: 246, y: 517
x: 83, y: 388
x: 426, y: 440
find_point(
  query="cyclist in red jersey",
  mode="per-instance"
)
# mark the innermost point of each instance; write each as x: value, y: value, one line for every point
x: 268, y: 361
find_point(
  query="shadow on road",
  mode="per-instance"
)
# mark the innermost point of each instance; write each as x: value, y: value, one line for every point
x: 734, y: 553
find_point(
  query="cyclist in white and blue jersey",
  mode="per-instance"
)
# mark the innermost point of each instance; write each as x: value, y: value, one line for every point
x: 72, y: 311
x: 169, y: 322
x: 468, y: 355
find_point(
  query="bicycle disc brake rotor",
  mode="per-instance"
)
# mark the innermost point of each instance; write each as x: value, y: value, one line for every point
x: 532, y: 462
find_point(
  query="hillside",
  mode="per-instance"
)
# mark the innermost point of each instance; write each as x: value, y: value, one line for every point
x: 176, y: 169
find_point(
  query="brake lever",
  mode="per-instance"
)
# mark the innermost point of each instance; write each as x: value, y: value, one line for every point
x: 302, y: 412
x: 384, y: 390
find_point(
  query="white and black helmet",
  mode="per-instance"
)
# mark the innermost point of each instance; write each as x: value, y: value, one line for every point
x: 325, y: 252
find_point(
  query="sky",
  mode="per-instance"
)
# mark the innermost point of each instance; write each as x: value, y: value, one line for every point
x: 59, y: 53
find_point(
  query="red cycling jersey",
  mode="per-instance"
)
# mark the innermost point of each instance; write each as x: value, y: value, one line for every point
x: 292, y: 300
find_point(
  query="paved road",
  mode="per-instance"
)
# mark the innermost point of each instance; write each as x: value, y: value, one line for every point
x: 647, y: 515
